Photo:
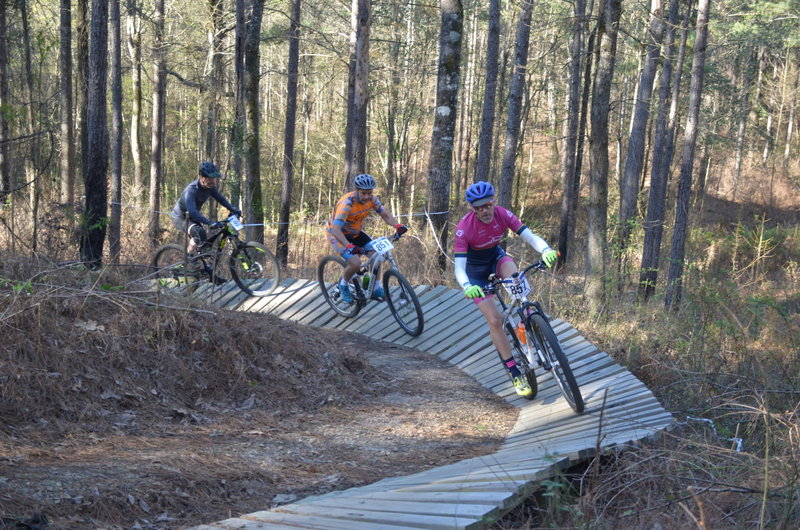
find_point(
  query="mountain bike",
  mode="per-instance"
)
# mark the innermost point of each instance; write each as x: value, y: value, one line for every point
x: 402, y: 300
x: 253, y: 268
x: 533, y: 341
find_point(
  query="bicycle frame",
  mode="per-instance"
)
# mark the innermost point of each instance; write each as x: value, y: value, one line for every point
x: 523, y: 309
x: 219, y: 240
x: 372, y: 266
x: 540, y: 341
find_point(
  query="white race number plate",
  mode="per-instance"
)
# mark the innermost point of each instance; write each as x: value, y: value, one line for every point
x: 235, y: 223
x: 518, y: 288
x: 382, y: 245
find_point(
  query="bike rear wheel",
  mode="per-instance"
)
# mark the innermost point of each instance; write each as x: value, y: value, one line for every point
x: 170, y: 269
x: 560, y: 365
x: 403, y: 302
x: 518, y: 350
x: 255, y: 269
x: 329, y: 272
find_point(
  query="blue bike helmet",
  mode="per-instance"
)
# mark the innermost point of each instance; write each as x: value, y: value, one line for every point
x: 479, y: 193
x: 208, y: 169
x: 364, y: 182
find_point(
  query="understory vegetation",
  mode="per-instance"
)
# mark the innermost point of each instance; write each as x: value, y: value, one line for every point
x: 727, y: 366
x: 726, y: 363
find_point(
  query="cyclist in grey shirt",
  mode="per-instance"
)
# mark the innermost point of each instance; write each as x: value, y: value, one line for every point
x: 186, y: 216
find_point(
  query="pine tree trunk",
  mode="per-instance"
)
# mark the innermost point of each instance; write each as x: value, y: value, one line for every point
x: 744, y: 114
x: 489, y: 93
x: 629, y: 183
x: 216, y: 78
x: 597, y: 247
x: 67, y: 159
x: 134, y: 41
x: 81, y: 75
x: 157, y: 131
x: 656, y: 203
x: 569, y: 177
x: 282, y: 250
x: 95, y: 178
x: 358, y: 93
x: 515, y: 94
x: 440, y: 164
x: 678, y: 252
x: 5, y: 162
x: 253, y: 204
x: 115, y: 225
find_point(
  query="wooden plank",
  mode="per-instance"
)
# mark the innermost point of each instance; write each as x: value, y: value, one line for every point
x: 379, y: 321
x: 307, y: 301
x: 379, y: 328
x: 411, y: 519
x: 456, y: 337
x: 277, y: 520
x: 392, y: 505
x: 292, y: 297
x: 612, y: 428
x: 260, y: 304
x: 555, y: 423
x: 231, y: 298
x: 317, y: 314
x: 414, y: 494
x: 374, y: 314
x: 383, y: 330
x: 434, y: 312
x: 442, y: 325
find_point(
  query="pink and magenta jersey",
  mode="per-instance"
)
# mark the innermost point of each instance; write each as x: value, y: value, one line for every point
x: 475, y: 239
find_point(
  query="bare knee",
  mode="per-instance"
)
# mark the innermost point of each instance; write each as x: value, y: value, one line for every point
x: 495, y: 321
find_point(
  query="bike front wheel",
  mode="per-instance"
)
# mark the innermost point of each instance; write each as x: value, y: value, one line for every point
x: 518, y: 350
x: 255, y: 269
x: 560, y: 365
x: 170, y: 269
x: 403, y: 302
x: 329, y: 272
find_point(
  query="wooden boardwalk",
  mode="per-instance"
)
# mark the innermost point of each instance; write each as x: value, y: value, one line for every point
x: 472, y: 493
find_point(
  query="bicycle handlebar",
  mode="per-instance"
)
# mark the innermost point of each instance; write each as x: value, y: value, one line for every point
x: 393, y: 238
x: 495, y: 282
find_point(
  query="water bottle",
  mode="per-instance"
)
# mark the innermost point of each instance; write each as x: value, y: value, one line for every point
x: 365, y: 278
x: 520, y: 332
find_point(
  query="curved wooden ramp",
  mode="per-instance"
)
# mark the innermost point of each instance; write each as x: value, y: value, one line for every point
x: 472, y: 493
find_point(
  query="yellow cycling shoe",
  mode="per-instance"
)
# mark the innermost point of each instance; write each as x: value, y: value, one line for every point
x: 521, y: 386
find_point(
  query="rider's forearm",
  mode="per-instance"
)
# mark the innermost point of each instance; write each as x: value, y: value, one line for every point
x: 388, y: 218
x: 336, y: 230
x: 220, y: 198
x: 461, y: 271
x: 539, y: 244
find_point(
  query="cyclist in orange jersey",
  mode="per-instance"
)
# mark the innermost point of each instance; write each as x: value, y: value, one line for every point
x: 344, y: 229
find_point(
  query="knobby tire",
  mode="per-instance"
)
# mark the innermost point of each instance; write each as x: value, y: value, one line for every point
x: 170, y: 269
x: 255, y: 269
x: 560, y: 365
x: 403, y: 303
x: 329, y: 271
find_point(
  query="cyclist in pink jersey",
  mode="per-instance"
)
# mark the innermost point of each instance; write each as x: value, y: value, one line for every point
x: 478, y: 255
x: 344, y: 229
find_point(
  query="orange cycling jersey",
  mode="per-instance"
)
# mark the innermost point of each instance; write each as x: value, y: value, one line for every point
x: 350, y: 214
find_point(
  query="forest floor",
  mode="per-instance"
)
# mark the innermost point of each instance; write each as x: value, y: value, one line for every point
x: 117, y: 413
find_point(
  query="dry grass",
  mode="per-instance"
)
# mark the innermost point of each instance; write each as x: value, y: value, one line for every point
x: 727, y: 365
x: 117, y: 411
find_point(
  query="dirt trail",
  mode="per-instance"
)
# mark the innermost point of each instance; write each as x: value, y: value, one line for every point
x: 117, y: 414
